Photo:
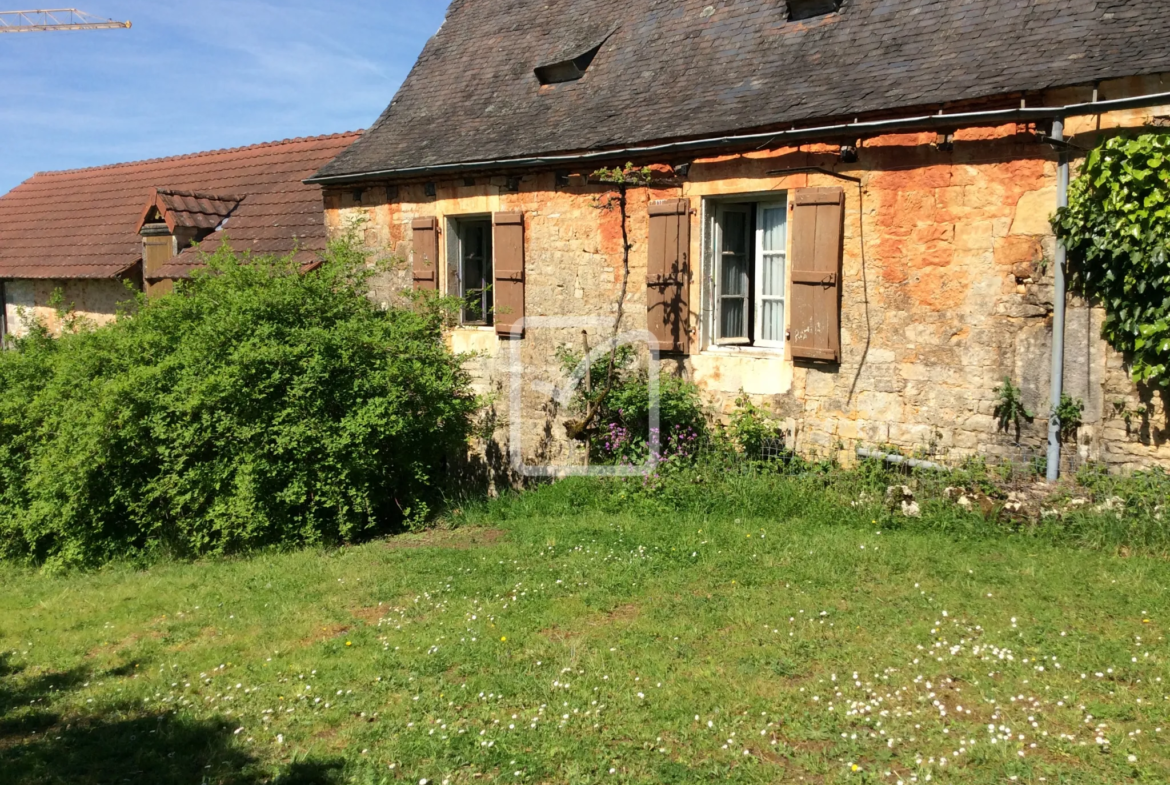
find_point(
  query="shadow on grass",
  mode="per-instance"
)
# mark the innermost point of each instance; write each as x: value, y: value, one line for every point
x: 39, y: 746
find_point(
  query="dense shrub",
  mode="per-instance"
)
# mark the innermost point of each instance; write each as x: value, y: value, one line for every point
x: 753, y: 431
x: 255, y: 406
x: 687, y: 431
x: 1117, y: 228
x: 623, y: 422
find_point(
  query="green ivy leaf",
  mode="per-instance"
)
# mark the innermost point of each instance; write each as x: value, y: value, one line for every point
x: 1117, y: 231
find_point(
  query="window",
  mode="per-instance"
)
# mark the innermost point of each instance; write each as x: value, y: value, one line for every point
x: 474, y: 271
x: 809, y: 9
x: 749, y: 241
x: 567, y: 70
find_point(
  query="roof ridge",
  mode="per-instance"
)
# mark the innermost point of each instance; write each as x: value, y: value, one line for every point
x: 199, y: 194
x: 202, y: 153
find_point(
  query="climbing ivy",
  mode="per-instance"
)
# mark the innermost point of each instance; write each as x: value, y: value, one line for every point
x: 1117, y: 230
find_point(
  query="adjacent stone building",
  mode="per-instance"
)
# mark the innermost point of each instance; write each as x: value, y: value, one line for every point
x: 849, y: 219
x: 84, y: 241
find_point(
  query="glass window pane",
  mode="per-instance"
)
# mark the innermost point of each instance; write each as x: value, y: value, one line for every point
x: 772, y: 320
x: 773, y: 269
x: 732, y: 323
x: 773, y: 225
x: 733, y: 281
x: 475, y: 270
x: 735, y: 233
x: 735, y: 260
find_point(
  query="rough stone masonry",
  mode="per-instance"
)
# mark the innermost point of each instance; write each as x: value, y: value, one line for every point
x: 947, y: 290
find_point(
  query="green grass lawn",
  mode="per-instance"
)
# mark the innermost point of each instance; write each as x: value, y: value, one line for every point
x: 546, y: 641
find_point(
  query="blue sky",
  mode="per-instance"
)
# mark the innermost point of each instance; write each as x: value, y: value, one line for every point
x: 201, y: 75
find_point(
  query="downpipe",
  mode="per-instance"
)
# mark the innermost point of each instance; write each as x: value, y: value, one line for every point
x: 1059, y: 297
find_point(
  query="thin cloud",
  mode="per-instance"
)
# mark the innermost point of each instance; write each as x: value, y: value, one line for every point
x: 198, y: 76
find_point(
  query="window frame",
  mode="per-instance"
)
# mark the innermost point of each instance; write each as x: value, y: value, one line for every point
x: 758, y: 296
x: 487, y: 299
x: 714, y: 210
x: 718, y: 254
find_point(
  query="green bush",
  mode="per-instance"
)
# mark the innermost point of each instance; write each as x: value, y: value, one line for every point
x: 623, y: 421
x: 1009, y: 408
x: 256, y: 406
x: 752, y: 429
x: 1117, y: 229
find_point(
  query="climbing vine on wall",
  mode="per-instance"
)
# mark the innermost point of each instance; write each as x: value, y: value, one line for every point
x: 1117, y: 230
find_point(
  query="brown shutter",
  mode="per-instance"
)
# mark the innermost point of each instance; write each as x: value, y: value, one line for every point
x: 426, y: 253
x: 668, y: 274
x: 508, y: 249
x: 818, y: 215
x: 158, y: 248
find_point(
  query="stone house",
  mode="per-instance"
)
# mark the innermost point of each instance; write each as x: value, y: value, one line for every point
x: 87, y: 239
x: 850, y: 218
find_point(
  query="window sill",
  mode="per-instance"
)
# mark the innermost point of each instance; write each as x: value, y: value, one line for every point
x: 762, y: 352
x: 475, y: 328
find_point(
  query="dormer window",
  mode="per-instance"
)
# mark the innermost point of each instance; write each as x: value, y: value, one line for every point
x: 567, y: 70
x: 809, y: 9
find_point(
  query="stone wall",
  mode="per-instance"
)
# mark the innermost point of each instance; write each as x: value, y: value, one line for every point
x: 947, y: 291
x: 27, y: 301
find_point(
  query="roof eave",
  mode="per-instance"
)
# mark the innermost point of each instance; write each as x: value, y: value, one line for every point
x: 760, y: 140
x: 66, y: 272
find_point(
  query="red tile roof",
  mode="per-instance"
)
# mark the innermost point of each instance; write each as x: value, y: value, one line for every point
x: 189, y: 209
x: 84, y: 223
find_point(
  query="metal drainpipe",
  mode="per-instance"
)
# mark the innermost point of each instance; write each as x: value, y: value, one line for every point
x: 3, y: 317
x: 1058, y: 303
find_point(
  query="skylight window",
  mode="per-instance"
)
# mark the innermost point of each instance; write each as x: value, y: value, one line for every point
x: 567, y: 70
x: 809, y: 9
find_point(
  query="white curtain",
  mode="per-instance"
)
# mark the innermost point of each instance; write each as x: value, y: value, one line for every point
x: 773, y: 224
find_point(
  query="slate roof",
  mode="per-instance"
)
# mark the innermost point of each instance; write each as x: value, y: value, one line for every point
x: 679, y: 69
x: 84, y: 223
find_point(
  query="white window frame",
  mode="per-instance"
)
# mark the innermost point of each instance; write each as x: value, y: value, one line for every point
x: 721, y: 210
x: 458, y: 225
x: 755, y: 204
x: 758, y: 297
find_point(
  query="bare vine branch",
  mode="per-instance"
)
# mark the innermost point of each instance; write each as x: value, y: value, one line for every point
x: 622, y: 179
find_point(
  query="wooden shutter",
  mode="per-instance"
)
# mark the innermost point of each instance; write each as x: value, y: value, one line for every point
x: 668, y: 274
x: 426, y: 253
x: 508, y: 249
x: 818, y: 215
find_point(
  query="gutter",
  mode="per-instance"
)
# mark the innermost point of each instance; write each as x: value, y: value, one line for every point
x: 941, y: 122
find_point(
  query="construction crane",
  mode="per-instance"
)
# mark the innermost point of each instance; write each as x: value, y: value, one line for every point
x: 52, y: 19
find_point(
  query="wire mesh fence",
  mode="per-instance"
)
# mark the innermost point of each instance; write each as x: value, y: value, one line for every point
x: 1011, y: 471
x: 1003, y: 487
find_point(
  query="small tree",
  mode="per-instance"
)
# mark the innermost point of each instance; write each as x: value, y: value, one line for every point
x: 1009, y: 409
x: 1070, y: 414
